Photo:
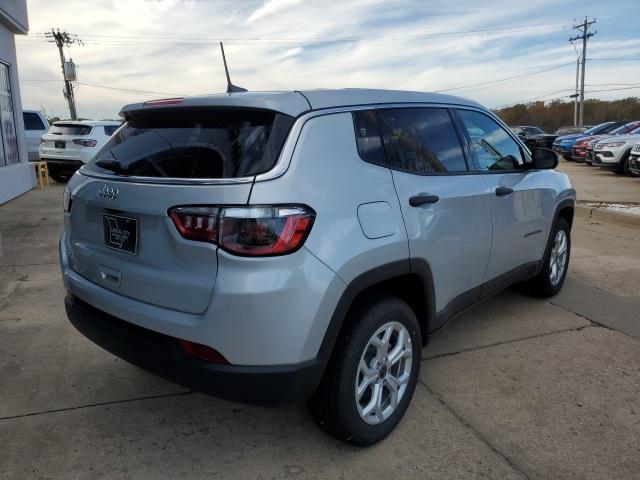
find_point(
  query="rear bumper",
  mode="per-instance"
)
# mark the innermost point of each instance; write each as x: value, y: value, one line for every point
x: 63, y: 164
x: 160, y: 354
x: 564, y: 150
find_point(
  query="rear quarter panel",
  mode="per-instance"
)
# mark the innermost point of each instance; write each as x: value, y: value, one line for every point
x: 327, y: 174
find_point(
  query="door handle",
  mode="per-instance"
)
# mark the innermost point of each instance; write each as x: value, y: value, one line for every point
x: 422, y: 199
x: 503, y: 191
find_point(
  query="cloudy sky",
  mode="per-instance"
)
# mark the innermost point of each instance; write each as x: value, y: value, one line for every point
x: 140, y: 49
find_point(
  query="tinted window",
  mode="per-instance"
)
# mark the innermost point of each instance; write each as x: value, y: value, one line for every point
x: 421, y: 140
x: 110, y: 129
x: 610, y: 128
x: 368, y: 136
x: 32, y: 121
x: 70, y: 129
x: 493, y: 148
x: 625, y: 128
x: 533, y: 130
x: 211, y: 143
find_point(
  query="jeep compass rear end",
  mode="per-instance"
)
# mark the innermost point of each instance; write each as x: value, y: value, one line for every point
x: 264, y: 247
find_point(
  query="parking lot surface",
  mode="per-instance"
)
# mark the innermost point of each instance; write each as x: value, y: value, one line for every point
x: 516, y: 387
x: 595, y: 185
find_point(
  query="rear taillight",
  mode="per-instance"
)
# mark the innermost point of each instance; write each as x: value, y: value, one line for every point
x: 196, y: 223
x: 67, y: 200
x: 250, y: 231
x: 85, y: 143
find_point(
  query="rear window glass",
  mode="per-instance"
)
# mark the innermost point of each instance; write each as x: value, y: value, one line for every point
x: 32, y: 121
x: 70, y: 129
x: 110, y: 129
x: 203, y: 143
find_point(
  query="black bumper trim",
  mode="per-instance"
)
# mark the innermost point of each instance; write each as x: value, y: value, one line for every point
x: 608, y: 166
x: 161, y: 355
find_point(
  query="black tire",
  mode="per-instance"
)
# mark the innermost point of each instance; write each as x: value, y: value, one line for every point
x: 58, y: 176
x: 541, y: 285
x: 624, y: 164
x: 333, y: 406
x: 567, y: 158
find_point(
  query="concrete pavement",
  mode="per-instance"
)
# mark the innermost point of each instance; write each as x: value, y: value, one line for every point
x: 595, y: 185
x: 516, y: 387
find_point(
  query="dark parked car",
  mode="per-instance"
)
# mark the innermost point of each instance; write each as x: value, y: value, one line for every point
x: 529, y: 134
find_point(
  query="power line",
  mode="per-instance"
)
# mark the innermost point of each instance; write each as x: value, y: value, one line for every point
x: 614, y: 59
x: 529, y: 100
x: 491, y: 82
x: 130, y: 90
x: 173, y: 40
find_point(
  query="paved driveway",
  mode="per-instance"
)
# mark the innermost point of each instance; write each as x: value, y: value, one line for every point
x: 514, y: 388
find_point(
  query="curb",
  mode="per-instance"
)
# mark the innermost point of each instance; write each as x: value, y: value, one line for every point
x: 595, y: 214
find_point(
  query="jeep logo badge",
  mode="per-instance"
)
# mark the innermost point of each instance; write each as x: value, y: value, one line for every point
x: 108, y: 192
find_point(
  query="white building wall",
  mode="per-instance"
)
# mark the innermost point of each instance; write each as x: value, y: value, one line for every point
x: 20, y: 177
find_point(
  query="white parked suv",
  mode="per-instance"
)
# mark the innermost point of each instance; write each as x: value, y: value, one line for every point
x: 70, y: 144
x: 612, y: 153
x: 266, y: 246
x: 35, y: 126
x: 634, y: 160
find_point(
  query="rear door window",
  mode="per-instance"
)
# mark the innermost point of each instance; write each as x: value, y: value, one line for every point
x: 423, y: 141
x: 32, y: 121
x: 70, y: 129
x: 195, y: 143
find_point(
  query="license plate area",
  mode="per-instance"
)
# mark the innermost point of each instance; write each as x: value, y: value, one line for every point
x: 120, y: 233
x: 59, y: 144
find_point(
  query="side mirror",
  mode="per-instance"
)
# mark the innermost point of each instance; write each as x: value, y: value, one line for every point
x: 544, y: 159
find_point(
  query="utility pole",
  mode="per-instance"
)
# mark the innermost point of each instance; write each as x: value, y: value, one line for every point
x: 576, y: 94
x: 61, y: 39
x: 583, y: 28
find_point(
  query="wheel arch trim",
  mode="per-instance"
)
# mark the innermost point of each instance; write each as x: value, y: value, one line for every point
x: 371, y: 279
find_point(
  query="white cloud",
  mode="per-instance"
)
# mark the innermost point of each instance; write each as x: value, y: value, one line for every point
x: 270, y: 7
x: 170, y: 46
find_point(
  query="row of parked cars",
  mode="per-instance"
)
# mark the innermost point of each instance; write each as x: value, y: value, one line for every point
x: 65, y: 145
x: 613, y: 146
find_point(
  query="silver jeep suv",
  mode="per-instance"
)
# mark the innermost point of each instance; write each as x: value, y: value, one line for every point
x: 263, y: 247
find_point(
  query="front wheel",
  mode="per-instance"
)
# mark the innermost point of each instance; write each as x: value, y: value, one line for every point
x: 555, y: 264
x: 372, y: 374
x: 624, y: 165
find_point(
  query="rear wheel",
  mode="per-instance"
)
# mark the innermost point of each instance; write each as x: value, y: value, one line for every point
x: 372, y: 375
x: 556, y: 262
x: 58, y: 176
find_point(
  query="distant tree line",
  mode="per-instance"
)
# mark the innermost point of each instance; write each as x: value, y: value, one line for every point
x: 552, y: 115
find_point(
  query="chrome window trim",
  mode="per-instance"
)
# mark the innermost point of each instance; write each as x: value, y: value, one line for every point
x: 165, y: 180
x: 284, y: 159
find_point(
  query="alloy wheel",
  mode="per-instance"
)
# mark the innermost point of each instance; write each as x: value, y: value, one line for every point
x: 383, y: 373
